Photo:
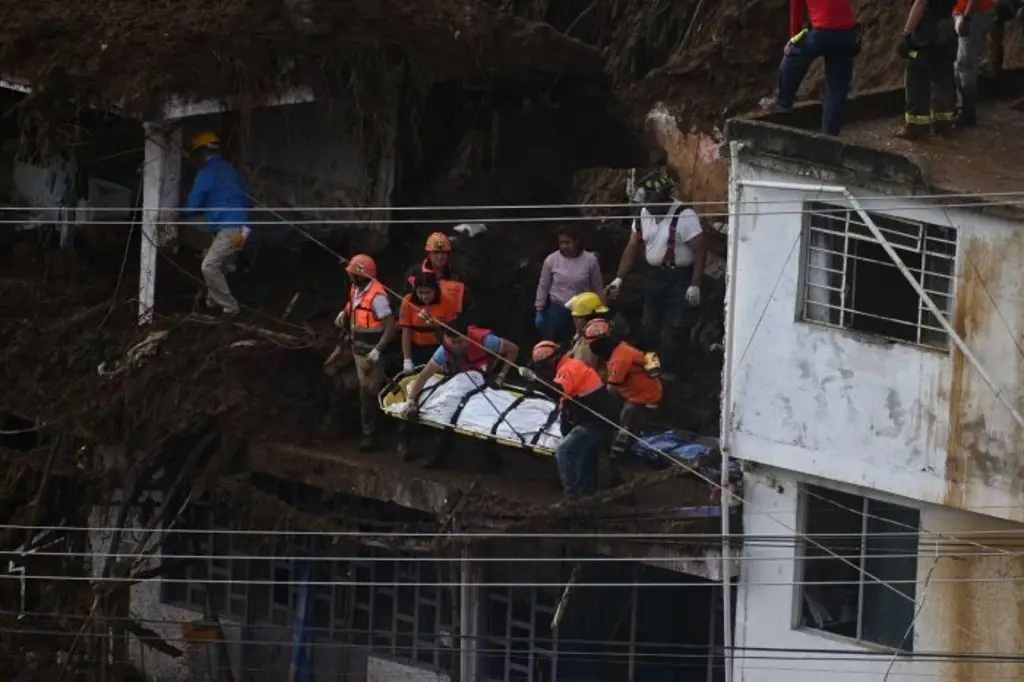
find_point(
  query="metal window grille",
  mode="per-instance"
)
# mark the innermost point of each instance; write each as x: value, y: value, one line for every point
x: 521, y: 646
x: 392, y: 612
x: 880, y: 539
x: 851, y: 283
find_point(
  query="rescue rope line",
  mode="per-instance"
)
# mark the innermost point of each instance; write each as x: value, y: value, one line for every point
x: 342, y: 259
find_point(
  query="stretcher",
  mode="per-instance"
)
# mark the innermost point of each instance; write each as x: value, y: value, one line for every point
x: 464, y: 403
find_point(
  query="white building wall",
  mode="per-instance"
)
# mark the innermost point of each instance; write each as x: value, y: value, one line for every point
x: 851, y: 408
x: 968, y: 604
x: 166, y: 620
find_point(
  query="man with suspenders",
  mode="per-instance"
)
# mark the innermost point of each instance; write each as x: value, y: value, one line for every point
x: 673, y: 243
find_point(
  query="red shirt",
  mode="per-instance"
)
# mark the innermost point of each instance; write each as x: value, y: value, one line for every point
x: 823, y: 14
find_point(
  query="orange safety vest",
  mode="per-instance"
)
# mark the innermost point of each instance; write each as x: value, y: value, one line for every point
x: 363, y: 318
x: 452, y: 289
x: 980, y: 6
x: 424, y: 334
x: 576, y: 378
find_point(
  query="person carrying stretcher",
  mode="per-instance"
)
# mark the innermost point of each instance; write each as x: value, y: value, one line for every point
x: 588, y: 413
x: 632, y: 375
x: 463, y: 348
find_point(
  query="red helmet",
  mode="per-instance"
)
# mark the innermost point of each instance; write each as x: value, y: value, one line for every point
x: 545, y: 350
x: 438, y: 243
x: 597, y: 328
x: 361, y: 264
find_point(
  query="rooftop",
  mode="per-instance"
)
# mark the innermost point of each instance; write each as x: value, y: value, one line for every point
x: 982, y: 160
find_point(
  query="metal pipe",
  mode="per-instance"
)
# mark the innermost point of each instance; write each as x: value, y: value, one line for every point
x: 725, y: 429
x: 901, y: 266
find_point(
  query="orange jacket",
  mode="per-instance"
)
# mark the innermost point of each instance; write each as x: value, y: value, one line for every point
x: 626, y: 373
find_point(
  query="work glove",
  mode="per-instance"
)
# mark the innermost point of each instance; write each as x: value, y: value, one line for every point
x: 412, y: 408
x: 905, y: 47
x: 538, y: 319
x: 693, y: 295
x: 373, y: 356
x: 499, y: 381
x: 527, y: 374
x: 239, y: 237
x: 407, y: 365
x: 341, y: 320
x: 613, y: 288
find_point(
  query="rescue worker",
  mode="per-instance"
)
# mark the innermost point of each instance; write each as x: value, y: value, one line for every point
x: 929, y: 46
x: 438, y: 260
x: 972, y: 19
x: 1005, y: 11
x: 566, y: 272
x: 584, y: 307
x: 632, y: 375
x: 463, y: 348
x: 370, y: 325
x: 420, y: 318
x: 673, y: 242
x: 221, y: 193
x: 587, y: 413
x: 834, y: 36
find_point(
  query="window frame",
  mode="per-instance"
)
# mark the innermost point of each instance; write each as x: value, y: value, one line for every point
x: 800, y: 567
x: 847, y: 270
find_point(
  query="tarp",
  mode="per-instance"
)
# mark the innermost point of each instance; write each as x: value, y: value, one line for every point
x: 464, y: 403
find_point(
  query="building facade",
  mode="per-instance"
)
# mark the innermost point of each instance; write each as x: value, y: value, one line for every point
x: 884, y: 481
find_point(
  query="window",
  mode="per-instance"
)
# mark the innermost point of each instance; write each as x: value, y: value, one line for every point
x: 850, y: 281
x: 401, y: 611
x: 869, y: 593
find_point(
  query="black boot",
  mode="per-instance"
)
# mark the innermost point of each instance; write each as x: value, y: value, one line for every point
x: 368, y: 443
x: 968, y: 115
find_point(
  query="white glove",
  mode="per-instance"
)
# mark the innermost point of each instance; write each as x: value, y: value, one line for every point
x: 693, y: 295
x: 373, y: 355
x: 527, y: 373
x: 407, y: 365
x: 613, y: 288
x: 246, y: 231
x: 340, y: 320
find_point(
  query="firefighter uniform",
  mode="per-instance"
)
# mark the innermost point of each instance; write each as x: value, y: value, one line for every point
x: 930, y: 80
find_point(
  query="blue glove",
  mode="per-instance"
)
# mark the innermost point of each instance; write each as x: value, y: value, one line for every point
x: 538, y: 319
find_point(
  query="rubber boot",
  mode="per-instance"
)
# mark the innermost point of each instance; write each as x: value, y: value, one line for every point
x: 368, y: 443
x: 942, y: 128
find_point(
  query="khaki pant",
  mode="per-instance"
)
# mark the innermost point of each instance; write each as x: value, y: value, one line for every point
x: 371, y: 380
x: 221, y: 253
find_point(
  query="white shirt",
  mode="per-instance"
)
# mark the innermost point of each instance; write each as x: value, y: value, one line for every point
x: 654, y: 233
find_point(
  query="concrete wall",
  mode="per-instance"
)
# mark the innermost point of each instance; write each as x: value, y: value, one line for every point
x: 197, y: 662
x: 887, y: 416
x: 968, y: 604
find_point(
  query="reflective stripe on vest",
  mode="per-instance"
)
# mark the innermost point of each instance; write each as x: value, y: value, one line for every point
x: 364, y: 319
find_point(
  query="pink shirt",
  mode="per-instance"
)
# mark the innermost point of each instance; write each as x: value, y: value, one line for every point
x: 562, y: 278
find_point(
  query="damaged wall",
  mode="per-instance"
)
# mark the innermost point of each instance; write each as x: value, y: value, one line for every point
x: 969, y: 597
x: 305, y: 156
x: 857, y: 408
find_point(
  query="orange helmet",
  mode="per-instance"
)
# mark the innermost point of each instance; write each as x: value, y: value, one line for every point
x: 597, y: 328
x: 438, y: 243
x: 361, y: 264
x: 545, y: 350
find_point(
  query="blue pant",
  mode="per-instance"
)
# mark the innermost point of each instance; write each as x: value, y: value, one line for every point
x: 558, y: 326
x: 577, y: 457
x: 838, y: 47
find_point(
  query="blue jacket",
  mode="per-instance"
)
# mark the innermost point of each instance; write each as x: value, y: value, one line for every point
x: 221, y: 193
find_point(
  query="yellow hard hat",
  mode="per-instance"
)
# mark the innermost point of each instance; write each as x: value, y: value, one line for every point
x: 585, y: 304
x: 205, y: 139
